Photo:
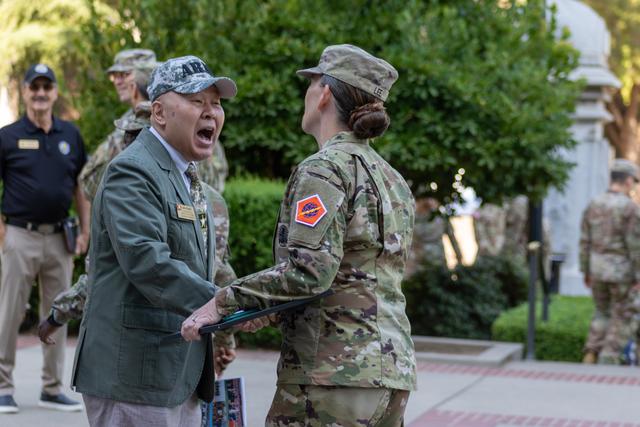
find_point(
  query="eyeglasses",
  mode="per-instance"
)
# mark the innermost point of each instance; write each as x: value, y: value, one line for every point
x: 35, y: 87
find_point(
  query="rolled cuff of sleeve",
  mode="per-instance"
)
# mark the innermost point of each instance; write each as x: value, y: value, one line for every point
x: 55, y: 321
x: 226, y: 302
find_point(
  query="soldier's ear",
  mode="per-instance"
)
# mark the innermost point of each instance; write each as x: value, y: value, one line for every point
x: 325, y: 97
x: 158, y: 113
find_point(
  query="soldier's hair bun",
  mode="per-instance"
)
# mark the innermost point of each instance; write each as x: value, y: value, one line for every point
x: 361, y: 112
x: 369, y: 120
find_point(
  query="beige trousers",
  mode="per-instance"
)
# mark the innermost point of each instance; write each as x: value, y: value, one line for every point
x: 25, y: 256
x: 112, y: 413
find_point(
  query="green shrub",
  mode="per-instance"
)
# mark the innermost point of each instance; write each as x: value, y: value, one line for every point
x: 254, y: 205
x: 463, y: 302
x: 562, y: 338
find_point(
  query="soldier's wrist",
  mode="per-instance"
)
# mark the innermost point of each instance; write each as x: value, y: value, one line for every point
x: 52, y: 320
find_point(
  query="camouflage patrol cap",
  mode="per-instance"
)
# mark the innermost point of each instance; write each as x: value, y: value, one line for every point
x: 627, y: 167
x: 356, y: 67
x: 141, y: 120
x: 187, y: 74
x: 132, y: 59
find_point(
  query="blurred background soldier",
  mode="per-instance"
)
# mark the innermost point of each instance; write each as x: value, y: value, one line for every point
x: 130, y: 75
x: 610, y: 260
x: 489, y: 226
x: 427, y: 247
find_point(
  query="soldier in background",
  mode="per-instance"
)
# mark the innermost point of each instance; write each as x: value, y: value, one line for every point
x: 427, y: 247
x: 610, y: 261
x: 489, y: 227
x: 130, y: 75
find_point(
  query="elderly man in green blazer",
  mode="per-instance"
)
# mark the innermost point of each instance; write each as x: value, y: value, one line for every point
x: 152, y: 261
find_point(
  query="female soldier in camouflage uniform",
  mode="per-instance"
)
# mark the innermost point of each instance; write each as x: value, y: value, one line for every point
x: 346, y: 222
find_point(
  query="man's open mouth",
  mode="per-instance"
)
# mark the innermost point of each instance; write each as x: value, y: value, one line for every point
x: 205, y: 134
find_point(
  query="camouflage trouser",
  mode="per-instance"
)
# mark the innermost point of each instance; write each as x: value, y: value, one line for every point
x: 611, y: 326
x: 319, y: 406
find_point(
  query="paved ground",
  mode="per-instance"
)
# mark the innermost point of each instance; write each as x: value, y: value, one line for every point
x: 519, y: 394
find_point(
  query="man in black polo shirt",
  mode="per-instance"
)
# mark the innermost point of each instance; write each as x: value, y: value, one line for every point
x: 40, y: 159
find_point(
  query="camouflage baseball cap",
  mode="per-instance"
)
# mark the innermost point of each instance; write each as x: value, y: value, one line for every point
x: 187, y: 74
x: 140, y: 121
x: 626, y: 166
x: 356, y: 67
x: 131, y: 59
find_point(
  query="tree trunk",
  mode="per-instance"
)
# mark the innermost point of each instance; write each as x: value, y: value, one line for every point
x: 622, y: 132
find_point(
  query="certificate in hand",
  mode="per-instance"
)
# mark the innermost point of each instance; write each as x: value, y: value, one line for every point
x: 246, y: 315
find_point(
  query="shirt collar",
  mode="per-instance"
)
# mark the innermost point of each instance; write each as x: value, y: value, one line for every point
x: 56, y: 125
x: 344, y: 137
x: 177, y: 158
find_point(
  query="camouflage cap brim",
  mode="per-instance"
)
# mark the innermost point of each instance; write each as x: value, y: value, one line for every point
x: 119, y: 68
x: 226, y: 87
x: 310, y: 72
x: 130, y: 125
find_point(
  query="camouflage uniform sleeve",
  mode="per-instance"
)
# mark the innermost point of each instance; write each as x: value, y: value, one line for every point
x: 585, y: 243
x: 93, y: 170
x: 313, y: 249
x: 70, y: 304
x: 224, y: 272
x: 632, y: 238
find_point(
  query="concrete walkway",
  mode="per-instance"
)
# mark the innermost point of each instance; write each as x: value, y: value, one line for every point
x: 518, y: 394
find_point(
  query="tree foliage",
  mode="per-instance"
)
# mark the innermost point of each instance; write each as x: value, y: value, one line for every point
x: 623, y: 22
x: 47, y: 31
x: 483, y: 98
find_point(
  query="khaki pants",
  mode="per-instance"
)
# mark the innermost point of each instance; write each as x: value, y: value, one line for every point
x: 26, y: 255
x: 318, y: 406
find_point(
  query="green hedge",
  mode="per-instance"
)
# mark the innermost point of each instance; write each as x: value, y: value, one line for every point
x: 253, y: 208
x: 463, y: 302
x: 562, y: 338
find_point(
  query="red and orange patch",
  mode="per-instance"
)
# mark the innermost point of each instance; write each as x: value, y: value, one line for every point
x: 310, y: 210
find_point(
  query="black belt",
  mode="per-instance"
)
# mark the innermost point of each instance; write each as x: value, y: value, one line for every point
x: 34, y: 226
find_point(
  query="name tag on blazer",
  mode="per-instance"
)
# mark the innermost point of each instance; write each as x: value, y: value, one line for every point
x: 185, y: 212
x: 28, y: 144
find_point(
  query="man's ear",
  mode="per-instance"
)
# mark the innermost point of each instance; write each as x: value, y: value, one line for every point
x: 326, y: 98
x: 158, y: 113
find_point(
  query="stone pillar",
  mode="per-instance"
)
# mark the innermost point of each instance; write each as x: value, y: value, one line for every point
x: 592, y: 155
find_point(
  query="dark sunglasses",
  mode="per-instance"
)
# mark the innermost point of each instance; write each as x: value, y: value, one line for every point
x: 35, y: 87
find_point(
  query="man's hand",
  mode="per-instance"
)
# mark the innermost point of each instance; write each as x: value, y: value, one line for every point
x: 205, y: 315
x: 223, y: 356
x: 82, y: 241
x: 45, y: 330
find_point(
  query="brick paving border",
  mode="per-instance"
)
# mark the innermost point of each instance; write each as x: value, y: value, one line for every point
x: 438, y: 418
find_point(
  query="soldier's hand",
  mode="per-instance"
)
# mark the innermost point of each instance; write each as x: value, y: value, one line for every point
x: 45, y: 330
x: 257, y: 324
x: 205, y: 315
x: 223, y: 356
x: 82, y: 241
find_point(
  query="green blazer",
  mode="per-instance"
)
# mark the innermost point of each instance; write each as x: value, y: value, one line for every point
x: 147, y: 273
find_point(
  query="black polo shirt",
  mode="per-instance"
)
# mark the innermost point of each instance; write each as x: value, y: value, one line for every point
x: 39, y: 169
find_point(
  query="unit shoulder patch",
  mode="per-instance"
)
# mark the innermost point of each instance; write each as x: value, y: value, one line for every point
x: 310, y: 210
